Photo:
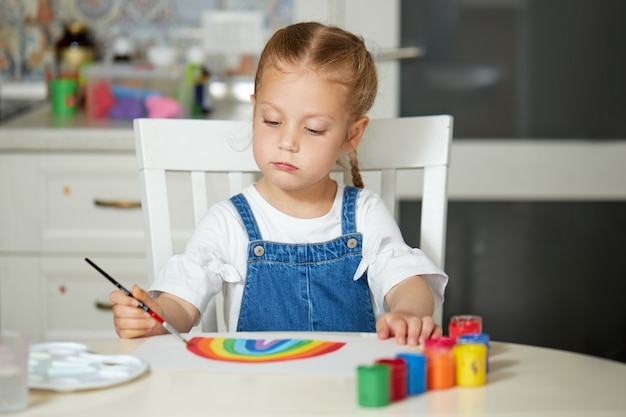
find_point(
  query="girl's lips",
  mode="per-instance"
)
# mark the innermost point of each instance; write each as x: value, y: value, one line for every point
x: 284, y: 166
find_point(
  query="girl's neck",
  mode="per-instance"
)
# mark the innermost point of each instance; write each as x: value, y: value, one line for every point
x: 304, y: 204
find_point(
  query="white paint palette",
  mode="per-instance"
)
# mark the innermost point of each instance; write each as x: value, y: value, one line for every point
x: 68, y: 366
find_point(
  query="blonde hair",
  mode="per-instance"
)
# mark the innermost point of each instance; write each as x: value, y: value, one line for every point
x: 337, y: 54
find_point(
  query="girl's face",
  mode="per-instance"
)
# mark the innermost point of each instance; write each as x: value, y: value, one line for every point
x: 300, y: 127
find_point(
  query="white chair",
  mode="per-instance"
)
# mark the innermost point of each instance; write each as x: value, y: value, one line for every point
x: 201, y: 147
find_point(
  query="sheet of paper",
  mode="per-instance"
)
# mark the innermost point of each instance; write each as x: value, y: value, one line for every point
x: 168, y: 352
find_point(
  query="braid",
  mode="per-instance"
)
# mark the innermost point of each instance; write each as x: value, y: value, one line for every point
x: 357, y: 181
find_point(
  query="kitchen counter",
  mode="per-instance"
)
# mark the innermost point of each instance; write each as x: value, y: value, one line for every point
x: 39, y: 130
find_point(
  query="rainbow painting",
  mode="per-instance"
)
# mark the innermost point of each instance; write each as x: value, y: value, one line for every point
x: 259, y: 350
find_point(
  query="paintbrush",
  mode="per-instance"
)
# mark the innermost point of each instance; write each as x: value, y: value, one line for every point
x: 141, y: 305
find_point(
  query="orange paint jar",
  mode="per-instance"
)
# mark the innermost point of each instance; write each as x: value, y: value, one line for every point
x: 440, y: 363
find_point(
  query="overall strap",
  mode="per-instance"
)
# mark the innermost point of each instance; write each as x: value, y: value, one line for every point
x: 249, y: 222
x: 348, y: 210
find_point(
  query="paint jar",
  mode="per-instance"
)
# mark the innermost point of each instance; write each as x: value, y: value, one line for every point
x: 398, y: 377
x: 471, y: 364
x: 416, y: 372
x: 476, y: 338
x: 373, y: 385
x: 464, y: 324
x: 440, y: 364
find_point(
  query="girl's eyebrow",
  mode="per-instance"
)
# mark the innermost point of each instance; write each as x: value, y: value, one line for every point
x: 309, y: 115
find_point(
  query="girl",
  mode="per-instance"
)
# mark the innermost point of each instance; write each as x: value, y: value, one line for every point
x: 296, y: 251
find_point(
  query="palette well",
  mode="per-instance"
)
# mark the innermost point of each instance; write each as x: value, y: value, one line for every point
x: 68, y: 366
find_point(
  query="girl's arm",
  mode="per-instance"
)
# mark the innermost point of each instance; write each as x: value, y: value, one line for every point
x: 409, y: 319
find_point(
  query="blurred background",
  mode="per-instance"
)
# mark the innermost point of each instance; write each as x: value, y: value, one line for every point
x: 545, y: 266
x: 537, y: 212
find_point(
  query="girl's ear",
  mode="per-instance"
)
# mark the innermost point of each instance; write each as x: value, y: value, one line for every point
x: 355, y: 134
x: 253, y: 99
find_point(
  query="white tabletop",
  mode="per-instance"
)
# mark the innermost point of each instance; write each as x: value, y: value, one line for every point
x: 523, y: 381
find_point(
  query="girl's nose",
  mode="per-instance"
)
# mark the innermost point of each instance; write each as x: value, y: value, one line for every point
x: 288, y: 142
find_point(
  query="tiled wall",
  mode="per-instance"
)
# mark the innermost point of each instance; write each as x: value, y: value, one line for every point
x: 30, y: 28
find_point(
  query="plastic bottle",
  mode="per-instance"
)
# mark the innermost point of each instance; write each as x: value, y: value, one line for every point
x: 75, y: 49
x: 189, y: 96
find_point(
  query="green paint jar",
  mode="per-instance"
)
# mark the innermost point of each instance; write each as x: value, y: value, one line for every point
x: 374, y: 385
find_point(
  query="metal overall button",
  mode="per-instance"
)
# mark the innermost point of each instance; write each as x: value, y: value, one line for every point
x: 259, y: 250
x: 351, y: 243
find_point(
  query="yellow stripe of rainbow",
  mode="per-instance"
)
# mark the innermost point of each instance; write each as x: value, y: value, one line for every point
x: 259, y: 350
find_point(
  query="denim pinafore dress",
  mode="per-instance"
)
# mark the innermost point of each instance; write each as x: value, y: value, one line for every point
x: 305, y: 287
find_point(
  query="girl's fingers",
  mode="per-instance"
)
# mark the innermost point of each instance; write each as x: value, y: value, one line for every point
x: 407, y: 329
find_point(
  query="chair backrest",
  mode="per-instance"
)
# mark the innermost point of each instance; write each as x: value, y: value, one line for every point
x: 201, y: 147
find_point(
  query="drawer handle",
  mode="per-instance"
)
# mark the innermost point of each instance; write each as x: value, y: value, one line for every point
x: 101, y: 305
x: 121, y: 204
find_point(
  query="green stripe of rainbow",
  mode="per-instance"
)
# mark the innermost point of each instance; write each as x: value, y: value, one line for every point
x: 259, y: 350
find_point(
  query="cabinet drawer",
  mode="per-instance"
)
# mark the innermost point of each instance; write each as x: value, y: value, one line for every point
x: 55, y: 298
x: 92, y: 204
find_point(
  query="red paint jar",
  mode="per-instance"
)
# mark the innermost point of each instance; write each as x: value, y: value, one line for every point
x: 464, y: 324
x: 398, y: 377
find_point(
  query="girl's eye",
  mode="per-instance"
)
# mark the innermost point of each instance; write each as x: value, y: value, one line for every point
x: 271, y: 123
x: 314, y: 132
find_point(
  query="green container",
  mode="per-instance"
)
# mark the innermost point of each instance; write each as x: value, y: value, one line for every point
x: 374, y: 385
x: 64, y: 93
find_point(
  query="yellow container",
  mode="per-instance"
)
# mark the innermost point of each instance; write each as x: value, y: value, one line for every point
x: 471, y: 364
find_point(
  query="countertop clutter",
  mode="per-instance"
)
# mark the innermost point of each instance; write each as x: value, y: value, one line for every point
x: 39, y: 129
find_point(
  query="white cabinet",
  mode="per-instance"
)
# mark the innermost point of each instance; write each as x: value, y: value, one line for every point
x: 56, y: 209
x: 58, y: 206
x: 69, y: 189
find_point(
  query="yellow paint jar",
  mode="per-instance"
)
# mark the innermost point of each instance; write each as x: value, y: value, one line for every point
x: 471, y: 364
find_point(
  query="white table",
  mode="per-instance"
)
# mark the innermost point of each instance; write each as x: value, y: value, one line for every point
x: 523, y: 381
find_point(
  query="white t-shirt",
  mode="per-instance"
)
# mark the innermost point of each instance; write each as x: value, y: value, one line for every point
x: 216, y: 254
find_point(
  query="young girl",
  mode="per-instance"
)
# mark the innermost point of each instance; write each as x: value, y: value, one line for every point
x: 296, y: 251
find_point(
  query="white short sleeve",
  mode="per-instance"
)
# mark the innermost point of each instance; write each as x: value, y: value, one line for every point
x: 387, y: 258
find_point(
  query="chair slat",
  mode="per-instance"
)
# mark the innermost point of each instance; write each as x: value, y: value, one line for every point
x: 199, y: 194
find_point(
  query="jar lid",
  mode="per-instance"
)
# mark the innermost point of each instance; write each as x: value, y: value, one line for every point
x: 473, y: 338
x: 442, y: 342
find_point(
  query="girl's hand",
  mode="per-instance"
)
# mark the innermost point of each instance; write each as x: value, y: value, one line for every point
x: 407, y: 328
x: 131, y: 321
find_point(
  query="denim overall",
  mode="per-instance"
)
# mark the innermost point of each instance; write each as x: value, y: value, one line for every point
x: 305, y: 287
